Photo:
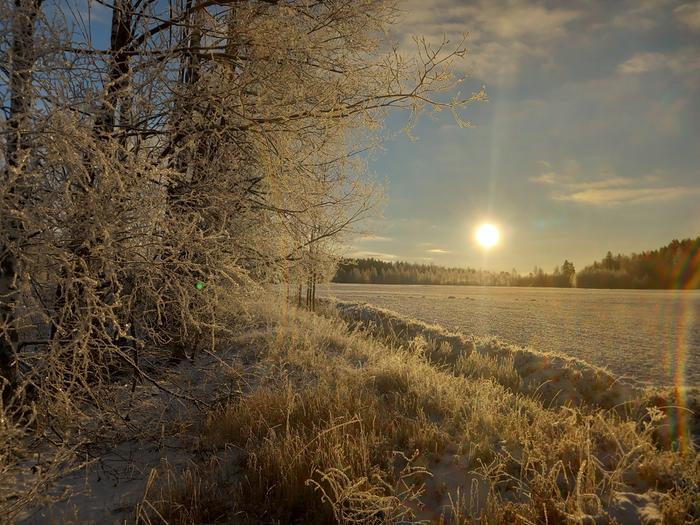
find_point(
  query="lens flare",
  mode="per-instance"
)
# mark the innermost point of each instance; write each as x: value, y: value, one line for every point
x: 686, y: 276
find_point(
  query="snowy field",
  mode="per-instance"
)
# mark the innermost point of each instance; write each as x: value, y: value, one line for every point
x: 650, y: 336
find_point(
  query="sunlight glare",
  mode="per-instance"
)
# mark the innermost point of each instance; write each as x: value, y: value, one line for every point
x: 487, y: 235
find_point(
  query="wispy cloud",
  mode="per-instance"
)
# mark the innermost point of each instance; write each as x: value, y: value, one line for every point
x: 689, y: 14
x: 502, y: 34
x: 682, y: 61
x: 500, y: 18
x: 372, y: 237
x: 438, y: 251
x: 637, y: 14
x: 549, y: 177
x: 642, y: 63
x: 609, y: 189
x: 627, y: 195
x: 373, y: 255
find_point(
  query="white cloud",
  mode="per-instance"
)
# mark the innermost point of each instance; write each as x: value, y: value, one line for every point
x: 372, y: 237
x: 606, y: 183
x: 549, y: 177
x: 373, y: 255
x: 609, y: 189
x: 502, y: 34
x: 643, y: 63
x: 439, y: 251
x: 689, y: 14
x: 682, y: 61
x: 627, y: 195
x: 566, y: 175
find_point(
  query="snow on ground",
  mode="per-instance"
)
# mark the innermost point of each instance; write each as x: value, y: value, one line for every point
x: 158, y: 429
x: 649, y: 336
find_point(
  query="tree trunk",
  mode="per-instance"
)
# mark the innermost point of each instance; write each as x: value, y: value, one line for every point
x: 313, y: 292
x: 9, y: 340
x: 21, y: 75
x: 308, y: 292
x: 114, y: 111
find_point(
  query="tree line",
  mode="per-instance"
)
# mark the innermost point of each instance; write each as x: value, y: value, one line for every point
x: 375, y: 271
x: 674, y: 266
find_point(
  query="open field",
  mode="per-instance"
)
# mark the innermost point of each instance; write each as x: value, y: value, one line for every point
x: 652, y: 337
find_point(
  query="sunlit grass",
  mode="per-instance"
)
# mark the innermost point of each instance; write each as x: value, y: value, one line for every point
x: 364, y: 424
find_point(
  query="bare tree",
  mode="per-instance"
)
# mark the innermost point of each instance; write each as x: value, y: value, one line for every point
x: 224, y: 150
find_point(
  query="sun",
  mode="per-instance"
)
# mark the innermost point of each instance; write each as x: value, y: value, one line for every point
x: 487, y: 235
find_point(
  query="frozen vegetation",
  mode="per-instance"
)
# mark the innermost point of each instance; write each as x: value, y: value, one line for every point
x: 555, y: 379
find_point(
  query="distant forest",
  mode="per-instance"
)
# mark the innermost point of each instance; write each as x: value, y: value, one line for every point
x: 374, y: 271
x: 675, y: 266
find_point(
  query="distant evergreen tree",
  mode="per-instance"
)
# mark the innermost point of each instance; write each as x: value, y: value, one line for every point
x: 675, y: 266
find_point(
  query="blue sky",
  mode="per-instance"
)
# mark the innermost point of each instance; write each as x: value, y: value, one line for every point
x: 589, y: 142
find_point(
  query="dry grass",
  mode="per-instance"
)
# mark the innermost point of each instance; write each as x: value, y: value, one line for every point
x: 197, y: 494
x: 343, y: 427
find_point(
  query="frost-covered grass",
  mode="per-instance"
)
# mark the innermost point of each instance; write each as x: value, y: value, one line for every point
x: 645, y: 335
x: 361, y: 416
x: 555, y: 379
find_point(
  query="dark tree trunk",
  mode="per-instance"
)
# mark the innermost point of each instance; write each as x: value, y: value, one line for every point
x: 23, y: 57
x: 114, y: 111
x: 308, y: 292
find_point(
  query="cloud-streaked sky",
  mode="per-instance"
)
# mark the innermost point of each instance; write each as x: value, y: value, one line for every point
x: 589, y: 142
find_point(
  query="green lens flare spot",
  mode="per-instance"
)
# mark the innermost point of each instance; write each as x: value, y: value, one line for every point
x: 199, y: 285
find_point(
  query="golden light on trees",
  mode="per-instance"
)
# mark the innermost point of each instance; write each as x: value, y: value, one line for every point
x: 217, y: 144
x: 487, y: 235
